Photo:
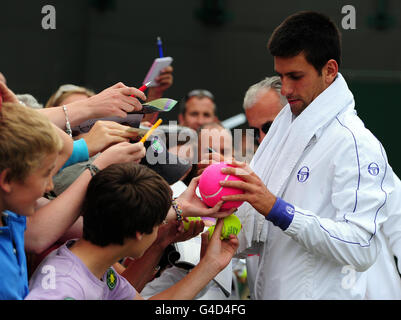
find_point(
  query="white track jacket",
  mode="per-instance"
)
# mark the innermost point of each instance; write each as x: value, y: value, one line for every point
x: 333, y: 178
x: 384, y: 282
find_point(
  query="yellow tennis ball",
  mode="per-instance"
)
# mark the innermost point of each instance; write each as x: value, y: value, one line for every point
x: 186, y: 224
x: 211, y: 230
x: 231, y: 225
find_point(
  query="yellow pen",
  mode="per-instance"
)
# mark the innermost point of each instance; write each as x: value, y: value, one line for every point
x: 158, y: 122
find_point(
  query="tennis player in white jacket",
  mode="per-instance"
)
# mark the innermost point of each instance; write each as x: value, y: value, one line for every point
x: 317, y: 187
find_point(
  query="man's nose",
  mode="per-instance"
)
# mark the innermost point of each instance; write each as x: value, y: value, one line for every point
x: 202, y: 120
x: 286, y: 88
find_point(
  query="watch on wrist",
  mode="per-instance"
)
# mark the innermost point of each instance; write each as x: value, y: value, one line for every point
x: 92, y: 168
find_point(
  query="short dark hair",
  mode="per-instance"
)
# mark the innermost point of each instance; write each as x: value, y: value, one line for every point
x: 121, y: 200
x: 309, y: 32
x: 199, y: 93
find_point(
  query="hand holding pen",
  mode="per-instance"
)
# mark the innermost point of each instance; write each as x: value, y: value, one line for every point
x: 143, y: 88
x: 158, y: 122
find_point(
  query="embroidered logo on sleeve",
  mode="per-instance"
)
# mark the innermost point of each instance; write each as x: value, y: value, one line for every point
x: 373, y: 169
x: 303, y: 174
x: 111, y: 279
x: 290, y: 210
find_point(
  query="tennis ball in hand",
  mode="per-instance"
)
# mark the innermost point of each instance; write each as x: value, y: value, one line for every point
x: 231, y: 225
x: 186, y: 224
x: 210, y: 189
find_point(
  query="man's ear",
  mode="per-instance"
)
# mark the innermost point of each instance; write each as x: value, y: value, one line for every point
x: 138, y: 235
x: 330, y: 71
x: 5, y: 182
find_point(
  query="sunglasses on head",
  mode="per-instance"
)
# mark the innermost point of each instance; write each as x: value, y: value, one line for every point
x: 265, y: 128
x: 199, y: 93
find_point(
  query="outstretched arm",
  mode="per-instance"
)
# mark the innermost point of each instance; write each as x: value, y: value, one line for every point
x: 52, y: 220
x: 347, y: 241
x: 192, y: 206
x: 113, y: 101
x: 218, y: 255
x: 140, y: 271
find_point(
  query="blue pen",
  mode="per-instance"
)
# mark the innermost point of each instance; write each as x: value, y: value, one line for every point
x: 159, y: 45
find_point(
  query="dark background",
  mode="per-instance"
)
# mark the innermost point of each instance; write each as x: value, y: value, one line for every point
x: 216, y: 45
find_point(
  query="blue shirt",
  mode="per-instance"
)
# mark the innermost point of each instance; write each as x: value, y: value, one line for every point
x: 13, y: 268
x: 80, y: 153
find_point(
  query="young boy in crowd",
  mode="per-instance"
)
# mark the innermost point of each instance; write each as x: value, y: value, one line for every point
x: 28, y: 152
x: 123, y: 208
x: 29, y: 155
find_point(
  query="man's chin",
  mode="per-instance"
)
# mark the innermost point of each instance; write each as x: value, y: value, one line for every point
x: 297, y: 106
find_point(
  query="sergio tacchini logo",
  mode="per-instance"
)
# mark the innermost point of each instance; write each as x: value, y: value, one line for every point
x: 303, y: 174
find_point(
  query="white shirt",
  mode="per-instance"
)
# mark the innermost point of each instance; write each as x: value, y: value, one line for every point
x: 384, y: 282
x: 334, y: 175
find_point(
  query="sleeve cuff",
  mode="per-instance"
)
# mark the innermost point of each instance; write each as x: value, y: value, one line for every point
x: 281, y: 214
x: 80, y: 153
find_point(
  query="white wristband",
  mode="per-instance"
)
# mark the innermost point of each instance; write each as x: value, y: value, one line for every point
x: 67, y: 122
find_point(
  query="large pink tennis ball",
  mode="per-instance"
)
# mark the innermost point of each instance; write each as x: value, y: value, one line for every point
x: 210, y: 189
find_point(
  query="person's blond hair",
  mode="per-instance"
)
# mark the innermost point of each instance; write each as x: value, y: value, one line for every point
x: 64, y: 91
x: 26, y: 138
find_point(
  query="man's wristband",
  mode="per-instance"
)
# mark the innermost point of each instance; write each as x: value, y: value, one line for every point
x: 281, y: 214
x: 67, y: 122
x: 177, y: 209
x: 92, y: 168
